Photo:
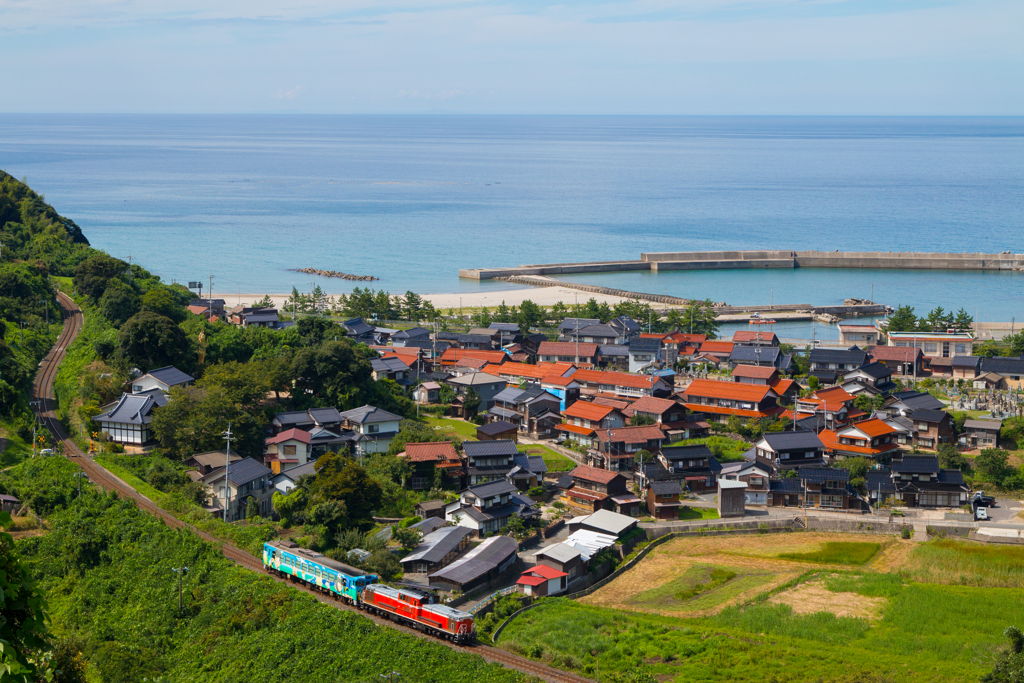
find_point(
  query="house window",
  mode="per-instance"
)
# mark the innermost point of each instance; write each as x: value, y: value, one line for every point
x: 373, y: 429
x: 931, y: 347
x: 831, y: 501
x: 289, y: 450
x: 961, y: 348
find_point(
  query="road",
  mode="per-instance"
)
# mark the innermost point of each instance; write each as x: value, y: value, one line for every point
x: 46, y: 407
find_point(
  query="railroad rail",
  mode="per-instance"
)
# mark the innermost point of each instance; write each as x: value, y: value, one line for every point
x: 46, y: 403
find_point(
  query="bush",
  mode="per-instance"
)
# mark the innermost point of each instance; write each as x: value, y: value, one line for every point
x: 906, y: 532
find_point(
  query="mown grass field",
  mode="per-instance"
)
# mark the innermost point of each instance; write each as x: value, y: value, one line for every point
x: 466, y: 431
x: 789, y: 608
x: 687, y: 512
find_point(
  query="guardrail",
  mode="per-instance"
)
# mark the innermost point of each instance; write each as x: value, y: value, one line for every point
x: 492, y: 597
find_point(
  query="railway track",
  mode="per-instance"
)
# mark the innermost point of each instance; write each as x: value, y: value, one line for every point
x: 46, y: 405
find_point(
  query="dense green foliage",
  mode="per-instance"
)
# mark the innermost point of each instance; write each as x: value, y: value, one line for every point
x: 22, y: 614
x: 837, y: 553
x: 107, y: 570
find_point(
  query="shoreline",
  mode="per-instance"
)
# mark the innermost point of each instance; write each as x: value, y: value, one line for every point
x: 542, y: 296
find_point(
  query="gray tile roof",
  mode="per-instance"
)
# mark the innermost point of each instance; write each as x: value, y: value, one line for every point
x: 357, y: 327
x: 170, y: 376
x: 791, y: 441
x: 769, y: 355
x: 921, y: 415
x: 686, y: 452
x: 324, y: 415
x: 296, y: 472
x: 983, y: 424
x: 951, y: 477
x: 875, y: 370
x: 644, y: 345
x: 491, y: 489
x: 559, y: 552
x: 477, y: 449
x: 856, y: 356
x: 666, y: 488
x: 241, y: 472
x: 965, y: 361
x: 875, y: 480
x: 436, y: 544
x: 507, y: 327
x: 413, y: 333
x: 916, y: 400
x: 570, y: 324
x: 1003, y: 366
x: 390, y: 364
x: 499, y: 427
x: 788, y: 485
x: 297, y: 417
x: 916, y: 464
x: 133, y: 409
x: 613, y: 350
x: 818, y: 475
x: 368, y: 415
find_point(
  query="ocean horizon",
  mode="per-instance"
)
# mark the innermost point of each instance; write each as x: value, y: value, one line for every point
x: 410, y: 199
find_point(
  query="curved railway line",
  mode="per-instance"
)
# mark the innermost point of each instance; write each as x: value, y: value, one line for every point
x: 46, y: 405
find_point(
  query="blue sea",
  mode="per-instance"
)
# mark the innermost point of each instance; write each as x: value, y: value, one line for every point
x: 411, y: 199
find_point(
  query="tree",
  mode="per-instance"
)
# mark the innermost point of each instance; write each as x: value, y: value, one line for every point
x: 335, y: 371
x: 903, y: 320
x: 339, y: 478
x: 530, y: 315
x: 1009, y: 667
x: 813, y: 383
x: 557, y: 313
x: 66, y: 661
x: 471, y: 402
x: 162, y: 301
x: 1016, y: 342
x: 23, y: 634
x: 315, y: 330
x: 515, y: 526
x: 194, y: 421
x: 993, y: 465
x: 119, y: 303
x: 407, y: 538
x: 252, y: 508
x: 94, y: 274
x: 265, y: 302
x: 384, y: 564
x: 951, y: 458
x: 149, y: 340
x: 502, y: 314
x: 292, y: 506
x: 962, y: 321
x: 246, y: 384
x: 412, y: 306
x: 858, y: 467
x: 641, y: 419
x: 700, y: 318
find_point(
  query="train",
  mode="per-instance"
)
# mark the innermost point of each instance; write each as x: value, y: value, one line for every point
x: 410, y: 606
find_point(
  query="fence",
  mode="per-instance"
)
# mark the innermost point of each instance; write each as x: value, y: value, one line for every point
x: 492, y: 597
x: 552, y: 529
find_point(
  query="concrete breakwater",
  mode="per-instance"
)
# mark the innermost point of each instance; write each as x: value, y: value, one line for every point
x: 732, y: 313
x: 712, y: 260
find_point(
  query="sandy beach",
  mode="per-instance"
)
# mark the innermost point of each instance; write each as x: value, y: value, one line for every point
x: 543, y: 296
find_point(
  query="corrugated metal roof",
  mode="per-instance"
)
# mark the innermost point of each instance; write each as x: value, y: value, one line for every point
x: 437, y: 544
x: 170, y: 376
x: 485, y: 557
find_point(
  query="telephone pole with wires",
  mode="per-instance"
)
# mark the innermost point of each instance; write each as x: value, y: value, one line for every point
x: 227, y: 465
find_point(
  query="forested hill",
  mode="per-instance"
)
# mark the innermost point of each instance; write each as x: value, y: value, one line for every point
x: 31, y: 230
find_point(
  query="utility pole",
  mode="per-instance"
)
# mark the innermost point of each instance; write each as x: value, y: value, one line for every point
x: 577, y: 330
x: 80, y: 475
x: 209, y: 308
x: 227, y: 465
x: 129, y: 270
x: 180, y: 571
x: 35, y: 415
x: 391, y: 677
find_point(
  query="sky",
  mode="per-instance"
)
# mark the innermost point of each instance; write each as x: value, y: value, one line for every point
x: 748, y: 57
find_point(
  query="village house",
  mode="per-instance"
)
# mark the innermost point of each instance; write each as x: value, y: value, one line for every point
x: 754, y: 338
x: 821, y: 487
x: 201, y: 464
x: 375, y: 428
x: 359, y: 330
x: 645, y: 354
x: 621, y: 383
x: 564, y: 558
x: 790, y: 450
x: 583, y: 419
x: 900, y: 359
x: 662, y: 498
x: 127, y: 420
x: 567, y: 352
x: 497, y: 430
x: 392, y: 368
x: 616, y: 449
x: 695, y: 465
x: 541, y: 580
x: 835, y: 406
x: 485, y: 385
x: 288, y: 449
x: 428, y: 392
x: 480, y: 566
x: 981, y: 434
x: 687, y: 344
x: 918, y: 481
x: 714, y: 352
x: 667, y: 413
x: 245, y: 316
x: 1010, y: 369
x: 487, y: 508
x: 934, y: 344
x: 828, y: 365
x: 871, y: 438
x: 489, y: 460
x: 432, y: 461
x: 211, y: 308
x: 872, y: 379
x: 859, y: 335
x: 245, y: 479
x: 162, y: 379
x: 613, y: 357
x: 719, y: 399
x: 756, y: 473
x: 597, y: 333
x: 534, y: 410
x: 906, y: 402
x: 761, y: 355
x: 285, y: 481
x: 403, y: 337
x: 307, y: 420
x: 592, y: 489
x: 437, y: 548
x: 965, y: 367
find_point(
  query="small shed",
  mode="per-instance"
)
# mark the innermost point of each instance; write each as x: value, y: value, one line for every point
x: 9, y: 503
x: 564, y: 558
x: 541, y: 581
x: 604, y: 522
x: 430, y: 508
x: 496, y: 431
x: 732, y: 497
x: 428, y: 392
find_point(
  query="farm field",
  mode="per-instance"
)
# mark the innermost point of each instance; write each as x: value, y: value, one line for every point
x: 789, y: 608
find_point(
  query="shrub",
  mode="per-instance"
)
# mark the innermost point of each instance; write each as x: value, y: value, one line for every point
x: 906, y: 532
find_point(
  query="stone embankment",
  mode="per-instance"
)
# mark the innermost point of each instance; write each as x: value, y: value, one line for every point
x: 595, y: 289
x: 334, y: 273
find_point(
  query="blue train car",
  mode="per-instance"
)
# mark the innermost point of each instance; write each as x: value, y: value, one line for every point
x: 316, y: 570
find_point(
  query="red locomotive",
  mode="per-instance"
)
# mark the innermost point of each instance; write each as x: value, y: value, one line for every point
x: 417, y: 608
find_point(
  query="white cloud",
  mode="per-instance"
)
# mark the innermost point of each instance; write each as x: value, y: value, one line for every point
x: 291, y: 94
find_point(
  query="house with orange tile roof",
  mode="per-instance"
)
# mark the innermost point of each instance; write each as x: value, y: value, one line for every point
x: 902, y: 360
x: 754, y: 338
x: 567, y: 352
x: 835, y: 406
x: 583, y: 419
x: 869, y: 438
x: 616, y: 449
x: 452, y: 356
x: 427, y: 459
x: 717, y: 400
x: 621, y: 383
x: 591, y: 489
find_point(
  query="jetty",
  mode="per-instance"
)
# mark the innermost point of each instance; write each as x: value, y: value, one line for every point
x: 334, y: 273
x: 718, y: 260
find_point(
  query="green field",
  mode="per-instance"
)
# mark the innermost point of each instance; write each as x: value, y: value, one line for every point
x: 837, y: 553
x: 451, y: 427
x: 724, y: 448
x: 824, y: 625
x: 556, y: 462
x: 687, y: 512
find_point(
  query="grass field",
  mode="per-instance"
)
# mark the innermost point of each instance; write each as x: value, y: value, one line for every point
x: 687, y: 512
x: 789, y: 608
x: 837, y: 552
x: 724, y: 448
x: 460, y: 428
x: 556, y: 462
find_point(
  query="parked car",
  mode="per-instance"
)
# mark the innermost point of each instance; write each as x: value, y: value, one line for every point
x: 981, y: 514
x: 980, y: 499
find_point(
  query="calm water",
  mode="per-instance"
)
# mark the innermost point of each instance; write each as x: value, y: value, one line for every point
x: 412, y: 199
